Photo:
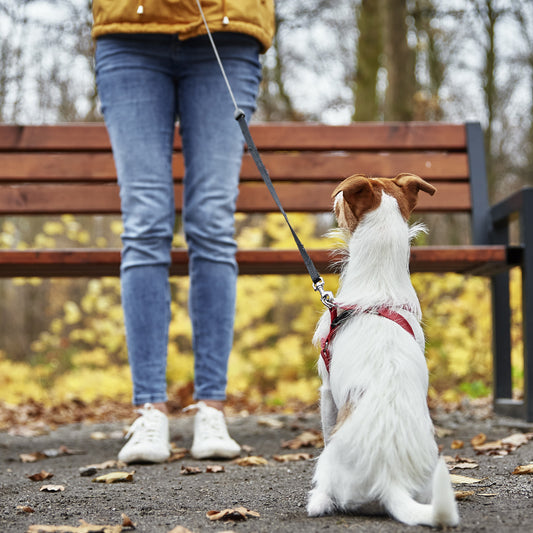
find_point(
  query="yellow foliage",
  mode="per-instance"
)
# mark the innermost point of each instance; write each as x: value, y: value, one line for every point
x: 93, y: 383
x: 83, y: 351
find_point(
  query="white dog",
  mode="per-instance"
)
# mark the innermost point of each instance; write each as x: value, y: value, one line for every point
x: 380, y: 446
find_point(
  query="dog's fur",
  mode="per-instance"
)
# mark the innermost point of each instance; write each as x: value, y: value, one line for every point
x: 380, y: 446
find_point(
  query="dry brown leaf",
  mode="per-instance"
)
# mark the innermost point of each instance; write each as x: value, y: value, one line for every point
x: 465, y: 466
x: 45, y: 454
x: 306, y: 439
x: 25, y: 509
x: 115, y: 477
x: 180, y: 529
x: 176, y: 456
x: 84, y: 527
x: 491, y: 448
x: 478, y: 440
x: 287, y: 457
x: 32, y: 457
x: 457, y: 444
x: 251, y: 460
x: 190, y: 470
x: 270, y: 422
x: 463, y: 480
x: 442, y: 432
x: 239, y: 513
x: 514, y: 441
x: 40, y: 476
x: 52, y: 488
x: 524, y: 469
x: 463, y: 494
x: 111, y: 463
x: 127, y: 522
x: 215, y: 469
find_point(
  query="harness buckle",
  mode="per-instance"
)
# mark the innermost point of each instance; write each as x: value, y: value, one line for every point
x: 325, y: 296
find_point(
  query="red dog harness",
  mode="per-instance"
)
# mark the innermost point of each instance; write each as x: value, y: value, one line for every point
x: 338, y: 319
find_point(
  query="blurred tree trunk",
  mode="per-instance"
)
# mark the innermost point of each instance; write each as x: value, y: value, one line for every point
x: 369, y: 55
x: 489, y: 15
x: 400, y: 63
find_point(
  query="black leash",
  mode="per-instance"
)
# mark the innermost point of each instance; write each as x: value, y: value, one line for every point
x: 318, y: 282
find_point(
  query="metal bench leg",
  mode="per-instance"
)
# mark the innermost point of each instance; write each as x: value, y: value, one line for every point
x: 501, y: 341
x: 526, y: 225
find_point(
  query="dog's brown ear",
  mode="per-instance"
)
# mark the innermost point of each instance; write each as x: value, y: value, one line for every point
x: 411, y: 185
x: 358, y: 197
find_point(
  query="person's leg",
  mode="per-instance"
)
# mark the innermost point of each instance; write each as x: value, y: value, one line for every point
x: 138, y: 101
x: 213, y: 145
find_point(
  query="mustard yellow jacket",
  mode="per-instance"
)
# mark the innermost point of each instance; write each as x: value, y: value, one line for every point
x: 182, y: 17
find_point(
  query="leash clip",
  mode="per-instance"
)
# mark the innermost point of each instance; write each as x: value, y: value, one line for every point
x: 325, y: 296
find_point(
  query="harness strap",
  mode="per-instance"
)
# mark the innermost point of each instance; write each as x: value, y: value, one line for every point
x: 336, y: 320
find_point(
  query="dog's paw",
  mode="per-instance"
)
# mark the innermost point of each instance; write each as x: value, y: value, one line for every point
x: 319, y: 503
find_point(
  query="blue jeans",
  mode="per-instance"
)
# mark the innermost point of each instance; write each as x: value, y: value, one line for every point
x: 145, y: 83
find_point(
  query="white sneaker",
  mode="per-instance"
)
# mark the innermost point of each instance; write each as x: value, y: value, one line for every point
x: 211, y: 437
x: 149, y: 441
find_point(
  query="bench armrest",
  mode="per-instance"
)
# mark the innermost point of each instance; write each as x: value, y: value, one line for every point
x: 517, y: 202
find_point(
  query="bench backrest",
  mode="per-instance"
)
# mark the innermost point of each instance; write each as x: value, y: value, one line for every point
x: 69, y: 168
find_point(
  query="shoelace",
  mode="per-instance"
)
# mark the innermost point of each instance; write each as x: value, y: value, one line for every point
x: 213, y: 422
x: 148, y: 423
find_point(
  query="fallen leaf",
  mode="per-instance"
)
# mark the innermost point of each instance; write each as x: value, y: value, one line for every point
x: 461, y: 459
x: 111, y: 463
x: 40, y: 476
x: 251, y: 460
x: 463, y: 494
x: 285, y: 458
x: 215, y: 469
x: 32, y: 457
x: 45, y: 454
x: 62, y: 450
x: 457, y: 444
x: 52, y: 488
x: 270, y: 422
x: 465, y: 466
x: 491, y: 448
x: 99, y: 435
x: 524, y: 469
x: 463, y: 480
x: 488, y: 493
x: 442, y: 432
x: 176, y: 456
x: 190, y: 470
x: 115, y: 477
x: 126, y: 521
x: 180, y: 529
x: 514, y: 441
x: 84, y: 527
x: 239, y: 513
x: 25, y: 509
x: 478, y: 440
x: 306, y: 439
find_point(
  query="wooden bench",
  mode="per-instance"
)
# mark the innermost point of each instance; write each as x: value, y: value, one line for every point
x: 50, y: 170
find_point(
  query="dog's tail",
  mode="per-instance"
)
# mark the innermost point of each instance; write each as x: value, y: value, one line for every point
x: 442, y: 511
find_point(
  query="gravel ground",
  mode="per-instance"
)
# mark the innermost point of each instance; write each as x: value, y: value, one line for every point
x: 160, y: 497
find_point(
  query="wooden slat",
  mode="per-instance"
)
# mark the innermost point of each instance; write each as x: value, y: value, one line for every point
x: 307, y: 197
x: 287, y: 136
x: 287, y: 166
x: 103, y: 262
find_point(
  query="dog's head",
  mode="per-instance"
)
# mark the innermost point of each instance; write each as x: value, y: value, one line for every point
x: 359, y: 194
